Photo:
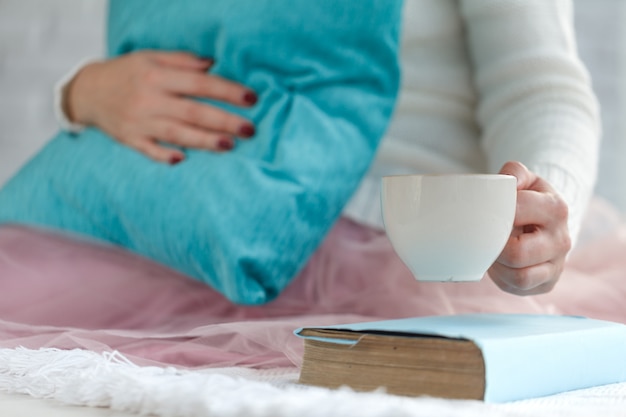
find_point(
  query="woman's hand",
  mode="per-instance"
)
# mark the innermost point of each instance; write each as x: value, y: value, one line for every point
x: 144, y: 98
x: 534, y: 257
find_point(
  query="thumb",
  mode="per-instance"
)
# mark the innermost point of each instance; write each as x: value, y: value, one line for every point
x: 525, y: 178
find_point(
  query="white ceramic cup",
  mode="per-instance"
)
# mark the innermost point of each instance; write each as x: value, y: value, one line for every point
x: 448, y: 227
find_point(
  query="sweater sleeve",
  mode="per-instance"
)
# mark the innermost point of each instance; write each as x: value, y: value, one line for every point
x: 59, y: 96
x: 536, y: 105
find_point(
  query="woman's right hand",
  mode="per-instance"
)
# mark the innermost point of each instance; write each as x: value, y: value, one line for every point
x: 146, y: 98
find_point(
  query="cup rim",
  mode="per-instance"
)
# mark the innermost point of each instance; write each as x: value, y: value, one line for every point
x: 473, y: 175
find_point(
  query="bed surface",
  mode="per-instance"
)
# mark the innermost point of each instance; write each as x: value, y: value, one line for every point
x: 17, y: 405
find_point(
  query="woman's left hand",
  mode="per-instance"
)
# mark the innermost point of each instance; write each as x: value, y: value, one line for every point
x: 534, y: 256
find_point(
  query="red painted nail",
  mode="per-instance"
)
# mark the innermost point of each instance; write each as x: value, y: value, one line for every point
x: 174, y: 159
x: 225, y: 144
x: 250, y: 97
x: 247, y: 130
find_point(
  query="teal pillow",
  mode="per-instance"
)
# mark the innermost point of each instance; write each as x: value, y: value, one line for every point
x: 244, y: 222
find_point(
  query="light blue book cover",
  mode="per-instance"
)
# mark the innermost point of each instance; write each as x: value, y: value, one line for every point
x: 525, y: 356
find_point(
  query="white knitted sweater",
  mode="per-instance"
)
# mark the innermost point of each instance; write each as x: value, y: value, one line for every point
x: 485, y: 82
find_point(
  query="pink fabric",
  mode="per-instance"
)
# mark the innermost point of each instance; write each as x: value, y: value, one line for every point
x: 57, y: 291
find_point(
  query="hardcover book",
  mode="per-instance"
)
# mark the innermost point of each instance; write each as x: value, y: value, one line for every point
x: 490, y: 357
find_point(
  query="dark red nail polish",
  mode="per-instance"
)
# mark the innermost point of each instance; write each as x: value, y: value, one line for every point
x: 250, y: 98
x: 174, y: 159
x: 225, y: 144
x: 246, y: 130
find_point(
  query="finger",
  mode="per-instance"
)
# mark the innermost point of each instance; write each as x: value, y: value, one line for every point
x: 208, y: 86
x: 526, y: 249
x: 540, y: 208
x: 536, y: 279
x: 177, y: 133
x: 156, y: 152
x: 180, y: 60
x: 207, y: 117
x: 525, y: 178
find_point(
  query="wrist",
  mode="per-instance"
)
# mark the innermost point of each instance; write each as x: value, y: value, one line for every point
x: 59, y: 99
x: 76, y: 95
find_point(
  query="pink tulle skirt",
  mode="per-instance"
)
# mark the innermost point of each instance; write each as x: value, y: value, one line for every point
x: 57, y: 291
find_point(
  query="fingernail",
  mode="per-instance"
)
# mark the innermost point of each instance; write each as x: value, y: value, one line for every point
x: 207, y: 61
x: 246, y: 130
x: 225, y: 144
x: 250, y: 97
x: 175, y: 159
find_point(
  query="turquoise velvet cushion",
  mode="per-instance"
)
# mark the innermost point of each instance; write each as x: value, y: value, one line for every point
x: 244, y: 222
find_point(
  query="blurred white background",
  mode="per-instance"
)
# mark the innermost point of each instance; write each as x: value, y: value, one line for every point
x: 40, y: 40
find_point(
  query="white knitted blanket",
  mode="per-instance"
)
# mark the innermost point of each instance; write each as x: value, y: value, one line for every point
x: 86, y: 378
